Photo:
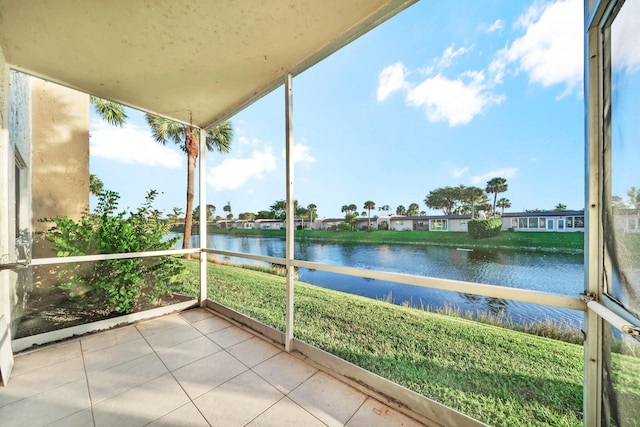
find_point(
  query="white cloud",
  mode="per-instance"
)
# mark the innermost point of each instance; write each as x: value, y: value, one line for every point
x: 504, y: 173
x: 300, y: 154
x: 449, y: 55
x: 391, y: 79
x: 496, y: 26
x: 233, y: 173
x: 133, y: 145
x: 455, y: 101
x: 625, y: 49
x: 458, y: 172
x: 551, y: 50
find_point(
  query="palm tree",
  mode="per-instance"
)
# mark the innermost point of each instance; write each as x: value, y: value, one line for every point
x: 312, y: 212
x: 473, y: 196
x: 503, y: 204
x: 384, y: 208
x: 494, y: 186
x: 413, y: 209
x: 368, y: 205
x: 401, y: 210
x: 111, y: 112
x: 560, y: 207
x: 218, y: 138
x: 227, y: 209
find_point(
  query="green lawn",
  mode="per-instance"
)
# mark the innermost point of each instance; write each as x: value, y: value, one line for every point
x: 526, y: 240
x: 499, y: 376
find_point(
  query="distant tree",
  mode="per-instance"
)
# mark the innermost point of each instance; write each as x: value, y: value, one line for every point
x: 423, y: 213
x: 312, y: 209
x: 401, y: 210
x: 413, y: 209
x: 279, y: 209
x: 211, y: 210
x: 503, y: 204
x: 227, y: 209
x: 494, y: 186
x: 618, y: 202
x: 447, y: 199
x: 560, y: 207
x: 384, y: 209
x: 265, y: 215
x: 349, y: 208
x: 95, y: 185
x: 246, y: 216
x: 472, y: 196
x: 369, y: 205
x: 351, y: 218
x: 634, y: 197
x: 175, y: 215
x: 302, y: 213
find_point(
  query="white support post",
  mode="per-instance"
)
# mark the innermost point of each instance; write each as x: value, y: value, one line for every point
x: 290, y: 225
x: 202, y: 187
x: 593, y: 254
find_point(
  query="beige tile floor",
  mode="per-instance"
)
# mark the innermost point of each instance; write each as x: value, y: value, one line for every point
x: 188, y: 369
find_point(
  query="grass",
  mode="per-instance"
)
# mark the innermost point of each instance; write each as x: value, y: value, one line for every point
x: 535, y: 240
x: 499, y: 376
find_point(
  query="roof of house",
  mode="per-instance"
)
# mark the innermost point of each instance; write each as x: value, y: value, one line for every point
x: 199, y: 60
x: 544, y: 213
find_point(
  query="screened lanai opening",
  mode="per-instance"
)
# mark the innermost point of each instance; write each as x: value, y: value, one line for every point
x: 339, y: 224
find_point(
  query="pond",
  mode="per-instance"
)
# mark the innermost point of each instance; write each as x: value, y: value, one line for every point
x: 552, y: 272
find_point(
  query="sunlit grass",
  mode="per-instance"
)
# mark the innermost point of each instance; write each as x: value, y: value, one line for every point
x: 500, y: 376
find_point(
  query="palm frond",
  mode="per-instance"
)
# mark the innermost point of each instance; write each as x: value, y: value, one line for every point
x: 219, y: 137
x: 164, y: 130
x: 111, y: 112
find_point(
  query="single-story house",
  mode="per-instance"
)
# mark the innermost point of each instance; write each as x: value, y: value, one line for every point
x: 543, y: 221
x: 269, y: 224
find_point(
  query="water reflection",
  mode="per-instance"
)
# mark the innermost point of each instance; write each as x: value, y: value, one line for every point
x: 555, y: 273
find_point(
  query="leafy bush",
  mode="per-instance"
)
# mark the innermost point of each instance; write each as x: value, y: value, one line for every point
x: 484, y: 228
x: 343, y: 226
x: 122, y: 285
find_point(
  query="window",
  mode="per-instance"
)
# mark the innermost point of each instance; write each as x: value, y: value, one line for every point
x: 569, y: 222
x: 514, y: 222
x: 522, y: 223
x: 438, y: 225
x: 533, y: 222
x: 542, y: 223
x: 578, y: 222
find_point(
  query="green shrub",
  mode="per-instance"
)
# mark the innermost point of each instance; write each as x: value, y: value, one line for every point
x: 343, y: 226
x: 484, y: 228
x: 122, y: 285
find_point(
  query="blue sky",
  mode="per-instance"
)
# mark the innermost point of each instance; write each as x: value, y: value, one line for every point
x: 445, y: 93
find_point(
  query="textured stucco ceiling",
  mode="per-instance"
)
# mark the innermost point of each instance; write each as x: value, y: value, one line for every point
x: 210, y: 58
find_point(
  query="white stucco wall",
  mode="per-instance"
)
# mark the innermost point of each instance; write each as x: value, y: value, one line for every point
x: 60, y: 164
